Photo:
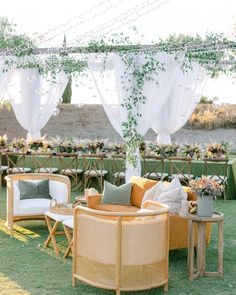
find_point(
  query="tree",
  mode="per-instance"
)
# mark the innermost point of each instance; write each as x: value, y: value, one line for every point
x: 66, y: 96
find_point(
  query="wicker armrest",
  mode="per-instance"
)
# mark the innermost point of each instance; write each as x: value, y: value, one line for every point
x: 93, y: 201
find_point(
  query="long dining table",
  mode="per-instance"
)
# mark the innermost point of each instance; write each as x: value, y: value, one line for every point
x: 197, y: 167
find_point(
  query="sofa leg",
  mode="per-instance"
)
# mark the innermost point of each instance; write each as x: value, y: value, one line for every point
x: 195, y: 251
x: 73, y: 281
x: 166, y: 287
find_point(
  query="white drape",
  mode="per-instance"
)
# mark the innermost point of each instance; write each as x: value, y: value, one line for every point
x: 185, y: 95
x: 113, y: 90
x: 34, y: 98
x: 4, y: 78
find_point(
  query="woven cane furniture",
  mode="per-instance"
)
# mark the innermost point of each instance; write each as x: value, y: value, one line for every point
x: 201, y: 244
x: 178, y: 226
x: 59, y: 188
x: 121, y: 251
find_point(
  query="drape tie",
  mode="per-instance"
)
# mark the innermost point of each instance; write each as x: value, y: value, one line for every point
x: 163, y: 138
x: 33, y: 135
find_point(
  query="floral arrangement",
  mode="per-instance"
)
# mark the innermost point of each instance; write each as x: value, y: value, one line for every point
x: 35, y: 144
x: 206, y: 186
x: 18, y: 144
x: 169, y: 150
x: 218, y: 150
x: 3, y: 140
x: 192, y: 151
x: 115, y: 148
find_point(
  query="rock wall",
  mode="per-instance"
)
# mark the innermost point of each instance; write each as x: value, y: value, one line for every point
x: 90, y: 121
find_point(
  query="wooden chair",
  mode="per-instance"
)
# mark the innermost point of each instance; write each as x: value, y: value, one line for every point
x: 94, y: 170
x: 181, y: 167
x: 43, y: 163
x: 217, y: 170
x: 121, y: 251
x: 68, y: 167
x: 16, y: 163
x: 31, y: 209
x: 153, y: 167
x: 118, y: 165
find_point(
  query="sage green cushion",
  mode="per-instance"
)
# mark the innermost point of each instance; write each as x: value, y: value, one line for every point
x: 34, y: 190
x: 119, y: 195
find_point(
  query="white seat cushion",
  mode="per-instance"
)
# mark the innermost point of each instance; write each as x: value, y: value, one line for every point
x: 95, y: 172
x: 32, y: 206
x: 3, y: 168
x: 153, y: 175
x: 69, y: 222
x: 72, y: 171
x: 56, y: 217
x: 119, y: 175
x: 19, y: 170
x: 47, y: 170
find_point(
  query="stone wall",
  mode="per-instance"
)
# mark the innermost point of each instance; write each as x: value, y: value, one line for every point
x: 90, y: 121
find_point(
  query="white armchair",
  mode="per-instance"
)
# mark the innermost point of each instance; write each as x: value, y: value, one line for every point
x: 30, y: 209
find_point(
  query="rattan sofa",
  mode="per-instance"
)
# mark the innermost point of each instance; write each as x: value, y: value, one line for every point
x: 178, y: 225
x: 122, y: 251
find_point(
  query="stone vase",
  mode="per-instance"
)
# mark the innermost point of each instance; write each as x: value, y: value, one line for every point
x: 205, y: 206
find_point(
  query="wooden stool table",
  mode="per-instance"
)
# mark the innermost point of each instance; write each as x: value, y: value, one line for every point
x: 57, y: 219
x: 201, y: 244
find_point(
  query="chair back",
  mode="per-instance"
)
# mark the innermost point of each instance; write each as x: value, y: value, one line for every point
x: 43, y: 162
x: 68, y: 162
x: 118, y: 168
x: 181, y: 167
x: 15, y: 162
x: 153, y: 167
x: 94, y: 168
x: 216, y: 168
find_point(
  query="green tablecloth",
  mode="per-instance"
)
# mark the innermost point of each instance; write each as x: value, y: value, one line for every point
x: 197, y: 169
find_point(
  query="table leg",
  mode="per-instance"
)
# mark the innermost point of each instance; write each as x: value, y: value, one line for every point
x: 220, y: 247
x: 201, y: 245
x: 190, y: 249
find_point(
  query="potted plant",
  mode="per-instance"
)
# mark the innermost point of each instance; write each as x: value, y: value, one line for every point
x: 206, y: 189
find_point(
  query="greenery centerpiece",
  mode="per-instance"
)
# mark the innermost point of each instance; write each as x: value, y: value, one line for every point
x: 192, y: 151
x: 206, y: 189
x: 218, y: 150
x: 18, y: 145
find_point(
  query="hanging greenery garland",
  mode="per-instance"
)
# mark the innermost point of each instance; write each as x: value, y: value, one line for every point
x: 214, y: 52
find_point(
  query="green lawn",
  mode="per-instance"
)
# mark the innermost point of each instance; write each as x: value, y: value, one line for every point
x: 26, y: 267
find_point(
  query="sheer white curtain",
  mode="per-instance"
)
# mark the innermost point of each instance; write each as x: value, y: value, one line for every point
x: 34, y: 98
x: 112, y: 89
x: 4, y: 78
x: 184, y: 97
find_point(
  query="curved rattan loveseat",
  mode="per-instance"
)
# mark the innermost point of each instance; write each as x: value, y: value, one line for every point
x: 17, y: 210
x: 122, y: 251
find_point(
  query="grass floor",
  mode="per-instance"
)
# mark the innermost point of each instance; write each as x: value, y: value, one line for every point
x: 26, y: 267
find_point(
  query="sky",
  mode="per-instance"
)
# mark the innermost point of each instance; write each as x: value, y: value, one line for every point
x: 48, y: 20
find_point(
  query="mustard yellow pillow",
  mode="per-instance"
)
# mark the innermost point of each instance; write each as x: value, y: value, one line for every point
x: 192, y: 196
x: 140, y: 186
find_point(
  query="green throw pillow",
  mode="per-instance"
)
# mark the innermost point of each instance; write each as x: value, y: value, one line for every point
x: 118, y: 195
x: 34, y: 190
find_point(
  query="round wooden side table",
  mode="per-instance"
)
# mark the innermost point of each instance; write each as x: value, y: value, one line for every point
x: 200, y: 269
